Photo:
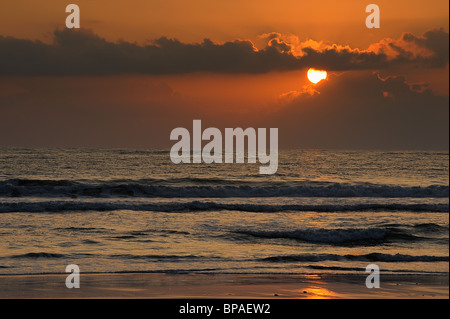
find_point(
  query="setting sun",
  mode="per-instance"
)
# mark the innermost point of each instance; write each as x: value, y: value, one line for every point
x: 315, y: 76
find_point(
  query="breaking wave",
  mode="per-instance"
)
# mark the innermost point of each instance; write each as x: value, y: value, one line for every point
x: 345, y: 236
x: 206, y: 188
x: 372, y: 257
x: 79, y: 205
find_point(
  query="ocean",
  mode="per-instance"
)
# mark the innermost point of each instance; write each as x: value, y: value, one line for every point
x: 323, y: 212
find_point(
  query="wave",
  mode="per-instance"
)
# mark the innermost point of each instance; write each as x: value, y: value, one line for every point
x: 210, y: 187
x: 47, y: 255
x: 430, y: 228
x: 157, y: 257
x: 352, y: 269
x: 362, y: 269
x: 343, y: 237
x: 79, y: 205
x: 82, y: 229
x: 372, y: 257
x: 38, y: 255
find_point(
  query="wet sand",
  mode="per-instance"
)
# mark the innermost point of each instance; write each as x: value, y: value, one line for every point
x: 222, y: 286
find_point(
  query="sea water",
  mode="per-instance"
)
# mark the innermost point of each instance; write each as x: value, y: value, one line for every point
x: 329, y: 212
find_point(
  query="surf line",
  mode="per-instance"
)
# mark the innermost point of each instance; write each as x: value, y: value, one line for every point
x: 212, y: 152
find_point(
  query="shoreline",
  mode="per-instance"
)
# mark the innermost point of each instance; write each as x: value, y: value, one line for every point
x: 222, y: 286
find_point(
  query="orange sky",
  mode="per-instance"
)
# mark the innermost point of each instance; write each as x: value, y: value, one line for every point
x: 141, y: 20
x: 400, y: 105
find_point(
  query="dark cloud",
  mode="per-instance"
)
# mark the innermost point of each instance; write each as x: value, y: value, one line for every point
x: 364, y: 111
x: 435, y: 40
x: 281, y: 46
x: 81, y: 52
x: 429, y: 50
x: 334, y: 59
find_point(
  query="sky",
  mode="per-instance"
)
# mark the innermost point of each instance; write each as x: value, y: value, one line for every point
x: 135, y: 70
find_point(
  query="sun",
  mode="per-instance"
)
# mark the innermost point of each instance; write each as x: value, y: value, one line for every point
x: 315, y: 76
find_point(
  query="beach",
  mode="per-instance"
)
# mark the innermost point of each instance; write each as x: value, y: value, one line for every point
x: 222, y: 286
x: 138, y: 226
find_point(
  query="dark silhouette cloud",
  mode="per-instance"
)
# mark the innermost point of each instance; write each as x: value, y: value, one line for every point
x: 81, y: 52
x: 429, y: 50
x: 364, y: 111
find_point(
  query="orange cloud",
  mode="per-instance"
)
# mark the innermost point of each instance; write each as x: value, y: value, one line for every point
x: 84, y: 53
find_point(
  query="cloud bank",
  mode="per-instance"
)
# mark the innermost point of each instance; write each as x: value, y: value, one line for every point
x: 363, y: 110
x: 81, y: 52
